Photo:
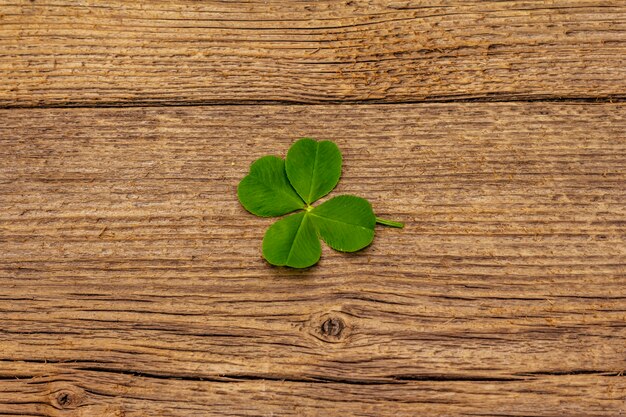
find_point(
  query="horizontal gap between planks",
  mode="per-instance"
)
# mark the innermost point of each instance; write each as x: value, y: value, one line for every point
x: 590, y: 100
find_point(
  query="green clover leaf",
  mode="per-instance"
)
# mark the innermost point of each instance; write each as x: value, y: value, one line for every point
x: 311, y: 170
x: 266, y: 191
x: 345, y: 223
x: 292, y: 241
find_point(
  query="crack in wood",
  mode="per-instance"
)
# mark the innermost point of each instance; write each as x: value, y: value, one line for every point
x: 233, y: 378
x: 495, y: 98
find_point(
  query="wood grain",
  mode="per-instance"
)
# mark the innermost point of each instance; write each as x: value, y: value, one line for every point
x: 132, y: 281
x: 89, y: 393
x: 115, y: 52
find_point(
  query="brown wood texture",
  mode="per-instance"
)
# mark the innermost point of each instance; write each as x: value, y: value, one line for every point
x: 94, y: 52
x: 132, y: 281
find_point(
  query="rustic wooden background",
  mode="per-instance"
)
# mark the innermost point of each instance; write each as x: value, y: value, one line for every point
x: 131, y: 280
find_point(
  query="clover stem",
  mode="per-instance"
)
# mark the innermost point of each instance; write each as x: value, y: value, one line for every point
x: 390, y: 223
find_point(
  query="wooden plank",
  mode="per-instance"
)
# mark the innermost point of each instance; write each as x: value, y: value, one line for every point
x: 88, y: 393
x: 124, y: 252
x: 94, y: 52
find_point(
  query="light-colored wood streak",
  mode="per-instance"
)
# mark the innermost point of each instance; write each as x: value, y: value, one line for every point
x: 124, y: 251
x: 115, y: 52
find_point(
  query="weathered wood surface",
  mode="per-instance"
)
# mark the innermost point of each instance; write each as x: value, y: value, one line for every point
x: 88, y: 393
x: 132, y: 281
x: 116, y: 52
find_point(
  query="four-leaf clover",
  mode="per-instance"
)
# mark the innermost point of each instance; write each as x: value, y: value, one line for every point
x: 311, y: 170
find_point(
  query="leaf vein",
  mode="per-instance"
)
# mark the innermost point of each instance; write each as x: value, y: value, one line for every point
x: 295, y: 238
x: 317, y: 150
x: 292, y: 197
x: 340, y: 221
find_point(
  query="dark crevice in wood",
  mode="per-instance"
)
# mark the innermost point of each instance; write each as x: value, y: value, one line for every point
x: 313, y: 379
x: 453, y: 378
x: 48, y: 332
x: 571, y: 372
x: 501, y: 415
x: 391, y: 379
x: 495, y: 98
x: 235, y: 377
x: 48, y: 361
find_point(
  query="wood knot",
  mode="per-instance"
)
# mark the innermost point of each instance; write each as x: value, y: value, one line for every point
x: 65, y: 399
x: 332, y: 327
